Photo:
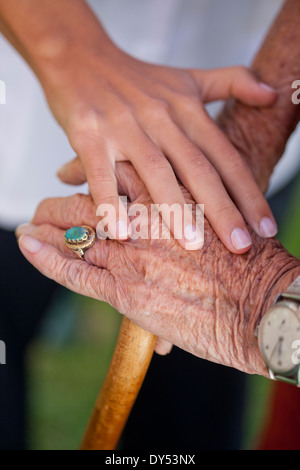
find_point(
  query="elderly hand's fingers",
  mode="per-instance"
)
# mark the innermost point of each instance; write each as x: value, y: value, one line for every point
x: 98, y: 254
x: 66, y: 212
x: 234, y: 82
x: 72, y: 172
x: 129, y: 182
x: 76, y: 275
x: 163, y: 347
x: 69, y: 212
x: 103, y: 188
x: 99, y: 167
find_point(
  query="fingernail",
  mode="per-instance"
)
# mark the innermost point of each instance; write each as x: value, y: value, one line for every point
x: 193, y: 237
x: 240, y: 239
x: 267, y: 87
x: 30, y: 244
x: 268, y: 228
x: 123, y: 230
x: 24, y: 228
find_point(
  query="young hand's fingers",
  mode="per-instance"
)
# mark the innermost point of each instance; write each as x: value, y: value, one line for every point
x: 236, y: 176
x: 102, y: 182
x: 98, y: 254
x: 203, y: 182
x: 99, y: 168
x: 76, y: 275
x: 129, y: 183
x: 160, y: 180
x: 234, y: 82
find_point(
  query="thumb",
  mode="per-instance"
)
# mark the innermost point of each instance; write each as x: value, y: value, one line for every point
x: 65, y: 270
x: 234, y: 82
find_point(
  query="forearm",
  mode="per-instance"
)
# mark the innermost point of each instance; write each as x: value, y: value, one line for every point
x: 261, y: 134
x: 50, y: 33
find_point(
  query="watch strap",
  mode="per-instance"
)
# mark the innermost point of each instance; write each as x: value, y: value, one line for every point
x: 293, y: 291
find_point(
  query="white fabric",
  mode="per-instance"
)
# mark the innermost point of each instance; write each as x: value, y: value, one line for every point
x: 186, y: 33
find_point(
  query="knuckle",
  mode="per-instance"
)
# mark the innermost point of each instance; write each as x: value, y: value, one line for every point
x: 59, y: 268
x: 76, y: 205
x: 111, y: 200
x: 159, y: 108
x: 85, y: 122
x: 155, y: 162
x: 192, y: 103
x: 86, y: 119
x: 71, y: 272
x: 121, y: 115
x: 242, y: 71
x: 44, y: 211
x: 41, y: 208
x: 101, y: 174
x: 200, y: 165
x: 234, y: 163
x: 225, y: 210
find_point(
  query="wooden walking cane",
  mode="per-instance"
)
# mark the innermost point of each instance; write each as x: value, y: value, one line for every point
x: 127, y: 370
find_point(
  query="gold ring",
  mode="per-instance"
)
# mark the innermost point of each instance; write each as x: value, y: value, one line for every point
x: 79, y: 239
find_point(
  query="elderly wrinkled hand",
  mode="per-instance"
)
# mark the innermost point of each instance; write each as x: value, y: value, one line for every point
x: 206, y: 302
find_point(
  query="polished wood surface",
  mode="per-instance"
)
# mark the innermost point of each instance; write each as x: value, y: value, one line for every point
x: 128, y: 367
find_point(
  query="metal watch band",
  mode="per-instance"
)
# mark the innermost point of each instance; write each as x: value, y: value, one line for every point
x: 287, y: 380
x: 293, y: 291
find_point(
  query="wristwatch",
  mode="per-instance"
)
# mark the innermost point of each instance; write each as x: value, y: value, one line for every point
x: 279, y: 336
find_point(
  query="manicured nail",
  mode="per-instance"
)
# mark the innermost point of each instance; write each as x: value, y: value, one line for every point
x: 240, y: 239
x: 267, y: 228
x: 193, y: 237
x: 267, y: 87
x: 24, y: 228
x: 123, y: 230
x: 30, y: 244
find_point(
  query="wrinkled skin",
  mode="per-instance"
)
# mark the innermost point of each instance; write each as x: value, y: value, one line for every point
x: 114, y: 107
x: 207, y: 302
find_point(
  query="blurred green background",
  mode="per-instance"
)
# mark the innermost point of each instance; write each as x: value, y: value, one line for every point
x: 68, y: 361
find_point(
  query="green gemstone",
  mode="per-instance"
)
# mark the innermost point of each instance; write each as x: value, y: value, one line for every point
x: 76, y: 234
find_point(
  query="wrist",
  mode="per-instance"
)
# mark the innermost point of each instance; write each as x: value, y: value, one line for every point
x: 55, y: 36
x: 261, y: 134
x: 64, y: 53
x: 275, y: 270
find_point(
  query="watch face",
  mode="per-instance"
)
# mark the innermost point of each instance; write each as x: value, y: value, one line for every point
x: 279, y: 338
